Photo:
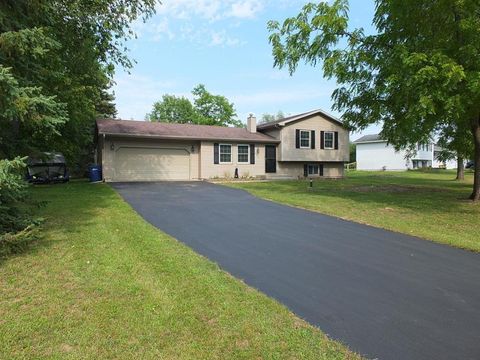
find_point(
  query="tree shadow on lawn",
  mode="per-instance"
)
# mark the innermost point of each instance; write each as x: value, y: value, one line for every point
x: 413, y: 194
x: 429, y: 178
x: 65, y: 208
x: 422, y: 208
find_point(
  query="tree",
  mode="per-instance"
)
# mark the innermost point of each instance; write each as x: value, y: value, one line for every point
x: 174, y: 109
x: 56, y: 64
x: 207, y: 109
x: 214, y: 109
x: 57, y: 60
x: 15, y: 224
x: 417, y: 77
x: 456, y: 144
x: 353, y: 152
x: 272, y: 117
x: 106, y: 108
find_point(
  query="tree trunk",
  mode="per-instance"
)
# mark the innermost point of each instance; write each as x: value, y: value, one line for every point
x: 476, y: 177
x: 460, y: 168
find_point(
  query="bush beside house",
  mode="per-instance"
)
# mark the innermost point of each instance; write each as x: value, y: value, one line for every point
x: 16, y: 225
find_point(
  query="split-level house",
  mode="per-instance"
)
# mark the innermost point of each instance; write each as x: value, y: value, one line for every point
x: 312, y: 144
x: 375, y: 153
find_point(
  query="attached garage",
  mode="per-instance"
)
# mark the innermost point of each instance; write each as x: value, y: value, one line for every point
x: 151, y: 164
x: 131, y: 150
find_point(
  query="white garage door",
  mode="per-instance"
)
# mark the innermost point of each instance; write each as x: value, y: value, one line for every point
x: 150, y: 164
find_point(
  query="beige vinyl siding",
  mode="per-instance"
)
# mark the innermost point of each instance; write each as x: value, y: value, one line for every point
x: 295, y: 169
x: 99, y: 150
x: 209, y: 170
x: 288, y: 151
x: 149, y: 160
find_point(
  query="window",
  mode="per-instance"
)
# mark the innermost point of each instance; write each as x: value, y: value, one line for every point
x: 225, y: 153
x: 423, y: 147
x: 328, y: 139
x: 312, y: 169
x: 243, y: 154
x: 305, y: 139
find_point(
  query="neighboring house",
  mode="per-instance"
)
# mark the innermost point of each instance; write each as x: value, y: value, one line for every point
x: 450, y: 164
x: 312, y: 144
x: 374, y: 153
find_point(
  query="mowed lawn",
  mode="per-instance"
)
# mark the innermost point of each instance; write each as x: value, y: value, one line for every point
x: 430, y: 204
x: 104, y: 284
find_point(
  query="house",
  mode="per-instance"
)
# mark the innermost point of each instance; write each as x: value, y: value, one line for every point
x: 449, y: 164
x: 375, y: 153
x: 313, y: 144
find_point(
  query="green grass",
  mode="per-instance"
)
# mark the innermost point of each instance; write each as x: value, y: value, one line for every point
x: 428, y: 204
x: 104, y: 284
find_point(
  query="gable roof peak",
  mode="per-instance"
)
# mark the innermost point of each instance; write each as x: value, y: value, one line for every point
x: 297, y: 117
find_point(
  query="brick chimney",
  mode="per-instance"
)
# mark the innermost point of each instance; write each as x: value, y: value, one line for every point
x: 252, y: 123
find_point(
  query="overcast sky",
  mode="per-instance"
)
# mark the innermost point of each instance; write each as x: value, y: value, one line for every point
x: 223, y: 44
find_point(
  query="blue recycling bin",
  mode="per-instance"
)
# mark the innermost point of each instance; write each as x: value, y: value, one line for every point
x: 95, y: 172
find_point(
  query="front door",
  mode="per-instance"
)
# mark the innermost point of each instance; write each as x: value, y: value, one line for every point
x: 270, y: 159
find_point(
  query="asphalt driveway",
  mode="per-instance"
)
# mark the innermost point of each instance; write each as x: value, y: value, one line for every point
x: 384, y: 294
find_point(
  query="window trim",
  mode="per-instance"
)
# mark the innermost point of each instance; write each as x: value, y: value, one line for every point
x: 248, y: 153
x: 325, y: 142
x: 309, y: 139
x: 220, y: 154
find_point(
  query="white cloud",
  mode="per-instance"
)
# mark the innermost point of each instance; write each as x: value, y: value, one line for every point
x: 246, y: 9
x: 210, y: 10
x: 204, y: 22
x: 220, y: 38
x: 161, y: 30
x: 188, y: 9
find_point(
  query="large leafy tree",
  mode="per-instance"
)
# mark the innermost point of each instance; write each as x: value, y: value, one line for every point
x: 174, y: 109
x: 207, y: 109
x: 419, y: 74
x: 214, y: 109
x: 57, y: 59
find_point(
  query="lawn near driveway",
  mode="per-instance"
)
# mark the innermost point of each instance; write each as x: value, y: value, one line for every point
x: 103, y: 283
x: 429, y: 204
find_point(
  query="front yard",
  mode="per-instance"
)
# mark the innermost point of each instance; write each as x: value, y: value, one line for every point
x: 427, y: 204
x: 102, y: 284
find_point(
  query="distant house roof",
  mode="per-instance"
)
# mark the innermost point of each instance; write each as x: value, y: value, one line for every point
x: 178, y: 131
x: 293, y: 118
x: 370, y: 138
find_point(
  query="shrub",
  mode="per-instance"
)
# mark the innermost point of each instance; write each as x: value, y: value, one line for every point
x: 16, y: 226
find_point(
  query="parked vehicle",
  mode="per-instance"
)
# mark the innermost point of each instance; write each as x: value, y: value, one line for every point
x: 47, y: 168
x: 470, y: 165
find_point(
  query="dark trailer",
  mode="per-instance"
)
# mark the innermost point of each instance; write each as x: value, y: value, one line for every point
x: 47, y: 168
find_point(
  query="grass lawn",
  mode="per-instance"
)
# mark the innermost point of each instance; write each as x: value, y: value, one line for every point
x: 103, y: 284
x: 429, y: 204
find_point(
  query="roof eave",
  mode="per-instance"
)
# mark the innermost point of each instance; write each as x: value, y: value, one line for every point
x: 300, y: 118
x: 268, y: 127
x: 167, y: 137
x: 370, y: 141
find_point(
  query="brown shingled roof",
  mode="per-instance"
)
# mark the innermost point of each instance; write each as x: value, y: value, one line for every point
x: 178, y: 131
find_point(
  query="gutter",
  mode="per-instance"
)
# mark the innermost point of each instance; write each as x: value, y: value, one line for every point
x: 370, y: 142
x: 166, y: 137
